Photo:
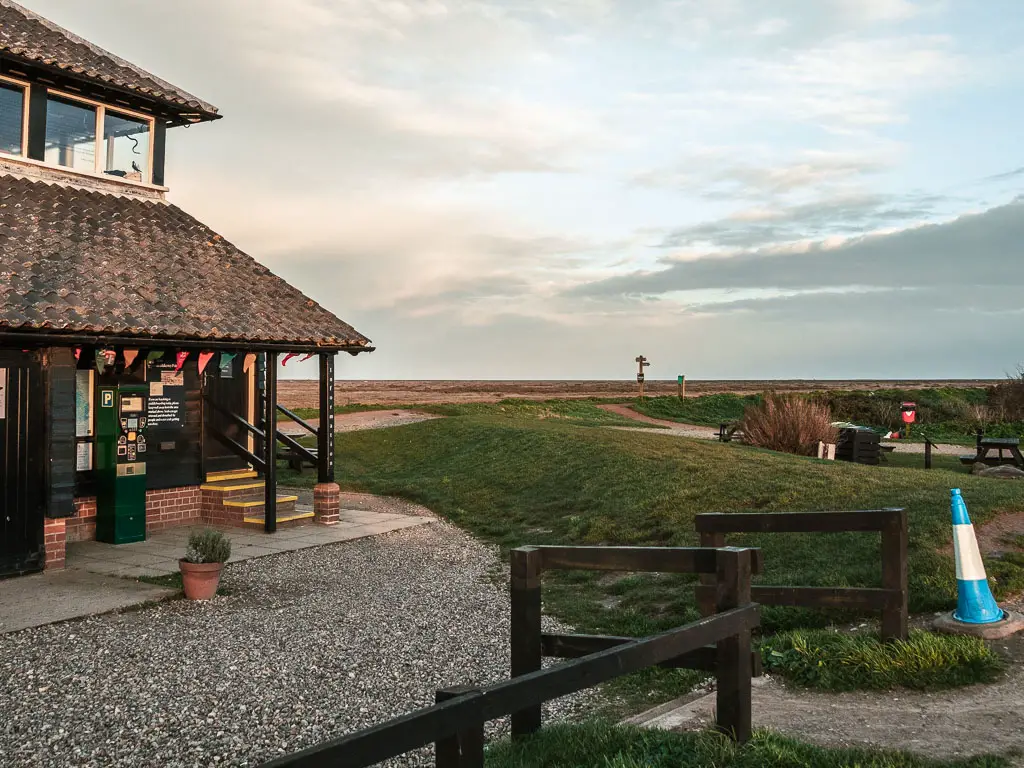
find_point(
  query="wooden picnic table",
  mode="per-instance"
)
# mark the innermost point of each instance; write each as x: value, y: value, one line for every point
x: 1000, y: 444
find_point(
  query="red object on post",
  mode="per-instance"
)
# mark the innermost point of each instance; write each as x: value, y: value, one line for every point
x: 908, y: 412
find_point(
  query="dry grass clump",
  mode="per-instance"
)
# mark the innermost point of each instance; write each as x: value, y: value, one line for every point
x: 788, y: 423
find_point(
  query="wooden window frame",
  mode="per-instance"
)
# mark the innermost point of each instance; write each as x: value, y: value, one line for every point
x: 26, y: 97
x: 101, y: 111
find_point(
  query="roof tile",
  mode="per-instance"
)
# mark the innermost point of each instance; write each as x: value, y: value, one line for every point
x: 85, y: 261
x: 31, y: 37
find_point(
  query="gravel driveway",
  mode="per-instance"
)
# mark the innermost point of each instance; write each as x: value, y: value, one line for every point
x: 308, y: 645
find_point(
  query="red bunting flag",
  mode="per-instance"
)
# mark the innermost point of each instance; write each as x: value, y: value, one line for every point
x: 248, y: 362
x: 288, y: 357
x: 129, y: 357
x: 180, y: 361
x: 306, y: 357
x: 78, y: 353
x: 204, y: 358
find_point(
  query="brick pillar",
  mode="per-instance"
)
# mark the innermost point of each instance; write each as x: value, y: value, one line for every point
x: 326, y: 503
x: 56, y: 543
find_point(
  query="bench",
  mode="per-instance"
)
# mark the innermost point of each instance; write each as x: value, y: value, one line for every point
x: 727, y: 432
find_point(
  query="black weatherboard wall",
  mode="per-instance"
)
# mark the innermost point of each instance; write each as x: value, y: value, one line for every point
x: 60, y: 368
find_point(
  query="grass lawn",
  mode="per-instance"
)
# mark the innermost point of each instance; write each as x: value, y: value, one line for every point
x: 837, y: 661
x: 531, y: 474
x: 597, y: 745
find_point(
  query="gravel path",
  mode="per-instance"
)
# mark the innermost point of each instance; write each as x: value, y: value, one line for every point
x: 678, y: 429
x: 309, y: 645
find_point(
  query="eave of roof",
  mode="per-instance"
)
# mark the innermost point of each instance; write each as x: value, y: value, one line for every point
x: 33, y: 39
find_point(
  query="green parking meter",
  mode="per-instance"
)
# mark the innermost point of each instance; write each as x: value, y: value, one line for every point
x: 120, y: 464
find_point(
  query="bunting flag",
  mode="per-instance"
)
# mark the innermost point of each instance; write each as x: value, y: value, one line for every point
x: 78, y: 353
x: 180, y: 361
x: 204, y: 358
x: 227, y: 357
x: 288, y: 357
x: 129, y: 357
x: 105, y: 359
x: 306, y: 357
x: 154, y: 354
x: 250, y: 358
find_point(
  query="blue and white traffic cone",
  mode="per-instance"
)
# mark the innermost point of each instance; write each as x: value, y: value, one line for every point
x: 974, y: 601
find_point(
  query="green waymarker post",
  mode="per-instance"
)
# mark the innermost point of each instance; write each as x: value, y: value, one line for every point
x: 120, y: 464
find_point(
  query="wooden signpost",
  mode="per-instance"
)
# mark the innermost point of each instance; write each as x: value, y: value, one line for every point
x: 641, y: 363
x: 682, y: 386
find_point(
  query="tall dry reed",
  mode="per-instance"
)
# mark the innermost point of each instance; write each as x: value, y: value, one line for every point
x: 788, y: 423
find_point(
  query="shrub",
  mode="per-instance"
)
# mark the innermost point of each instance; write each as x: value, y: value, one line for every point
x: 788, y: 423
x: 208, y: 546
x: 1007, y: 398
x: 845, y: 662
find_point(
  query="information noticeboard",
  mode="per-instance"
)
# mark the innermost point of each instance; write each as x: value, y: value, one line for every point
x: 166, y: 408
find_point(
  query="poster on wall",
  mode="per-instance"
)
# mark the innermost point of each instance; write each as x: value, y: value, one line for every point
x: 166, y: 398
x: 3, y: 393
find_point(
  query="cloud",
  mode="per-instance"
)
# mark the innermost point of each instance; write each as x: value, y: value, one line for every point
x: 973, y: 250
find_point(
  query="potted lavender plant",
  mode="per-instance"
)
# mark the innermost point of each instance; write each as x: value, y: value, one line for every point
x: 204, y: 560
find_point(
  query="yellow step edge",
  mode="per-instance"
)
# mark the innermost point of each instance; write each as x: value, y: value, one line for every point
x: 232, y: 474
x: 238, y: 487
x: 258, y: 502
x: 281, y: 518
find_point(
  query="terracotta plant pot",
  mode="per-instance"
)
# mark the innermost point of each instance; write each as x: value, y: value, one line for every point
x: 200, y: 580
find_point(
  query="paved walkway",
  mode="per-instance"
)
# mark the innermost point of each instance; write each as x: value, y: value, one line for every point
x: 159, y: 554
x: 44, y: 598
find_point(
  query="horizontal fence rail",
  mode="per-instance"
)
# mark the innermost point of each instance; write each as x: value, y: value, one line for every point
x: 454, y: 724
x: 478, y: 706
x: 729, y: 568
x: 890, y: 599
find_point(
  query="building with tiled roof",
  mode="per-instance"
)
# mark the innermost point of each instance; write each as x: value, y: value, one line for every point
x: 139, y: 349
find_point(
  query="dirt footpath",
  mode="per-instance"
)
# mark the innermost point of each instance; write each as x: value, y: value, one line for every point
x: 962, y: 722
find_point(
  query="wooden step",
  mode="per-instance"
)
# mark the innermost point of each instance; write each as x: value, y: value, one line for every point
x: 250, y: 502
x: 249, y: 484
x: 298, y: 517
x: 230, y: 474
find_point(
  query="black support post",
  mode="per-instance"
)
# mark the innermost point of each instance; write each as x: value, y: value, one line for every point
x: 37, y: 122
x: 159, y: 151
x: 526, y: 630
x: 325, y: 432
x: 270, y: 444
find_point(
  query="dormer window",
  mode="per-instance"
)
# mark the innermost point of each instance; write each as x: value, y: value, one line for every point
x: 13, y: 115
x: 89, y: 136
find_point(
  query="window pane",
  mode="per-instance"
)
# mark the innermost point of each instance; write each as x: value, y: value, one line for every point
x: 125, y: 147
x: 12, y: 115
x: 70, y: 134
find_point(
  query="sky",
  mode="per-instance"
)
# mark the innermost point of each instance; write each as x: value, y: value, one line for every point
x: 545, y: 189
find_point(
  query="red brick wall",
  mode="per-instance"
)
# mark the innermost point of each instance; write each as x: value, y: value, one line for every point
x: 164, y: 509
x: 54, y: 533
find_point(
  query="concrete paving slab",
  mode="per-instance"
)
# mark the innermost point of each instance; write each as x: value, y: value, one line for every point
x: 159, y: 554
x: 45, y: 598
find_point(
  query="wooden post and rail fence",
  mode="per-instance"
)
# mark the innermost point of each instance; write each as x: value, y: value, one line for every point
x: 719, y: 643
x: 455, y: 723
x: 890, y: 599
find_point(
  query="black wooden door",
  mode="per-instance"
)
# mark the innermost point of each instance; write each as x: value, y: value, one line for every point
x: 227, y: 387
x: 22, y: 464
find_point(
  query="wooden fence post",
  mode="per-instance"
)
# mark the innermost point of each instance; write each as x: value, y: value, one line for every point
x: 706, y: 597
x: 525, y: 630
x: 927, y: 453
x: 734, y: 667
x: 465, y: 750
x: 894, y: 574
